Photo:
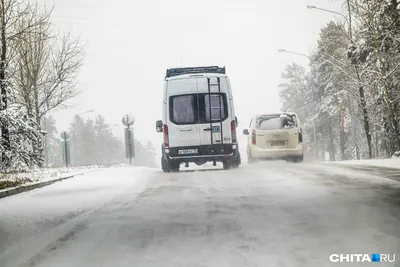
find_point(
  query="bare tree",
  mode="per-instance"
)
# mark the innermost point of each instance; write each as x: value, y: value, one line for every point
x: 12, y: 13
x: 47, y: 67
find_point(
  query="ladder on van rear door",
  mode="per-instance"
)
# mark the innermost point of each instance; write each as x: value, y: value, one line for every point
x: 211, y: 108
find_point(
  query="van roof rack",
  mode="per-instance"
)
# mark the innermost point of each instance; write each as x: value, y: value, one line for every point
x: 191, y: 70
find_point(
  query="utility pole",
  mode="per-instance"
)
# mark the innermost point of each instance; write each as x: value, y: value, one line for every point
x: 353, y: 122
x: 342, y: 141
x: 65, y: 148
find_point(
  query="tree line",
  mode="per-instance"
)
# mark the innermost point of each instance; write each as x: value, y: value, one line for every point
x: 92, y: 142
x: 351, y: 94
x: 38, y: 70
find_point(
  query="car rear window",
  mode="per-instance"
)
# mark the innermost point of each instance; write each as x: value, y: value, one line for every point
x: 269, y: 123
x: 275, y: 122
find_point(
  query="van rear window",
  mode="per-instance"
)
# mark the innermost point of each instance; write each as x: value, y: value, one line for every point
x: 184, y: 109
x: 214, y: 108
x: 198, y: 108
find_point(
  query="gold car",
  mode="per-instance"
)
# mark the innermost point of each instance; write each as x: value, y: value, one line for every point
x: 275, y: 136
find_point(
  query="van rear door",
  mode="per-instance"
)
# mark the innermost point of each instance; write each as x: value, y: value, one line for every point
x: 183, y: 127
x: 214, y: 111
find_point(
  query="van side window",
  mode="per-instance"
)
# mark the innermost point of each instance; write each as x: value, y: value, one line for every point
x: 183, y: 109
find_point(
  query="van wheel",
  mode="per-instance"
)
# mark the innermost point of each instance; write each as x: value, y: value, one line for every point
x: 175, y: 167
x: 165, y: 166
x: 226, y: 165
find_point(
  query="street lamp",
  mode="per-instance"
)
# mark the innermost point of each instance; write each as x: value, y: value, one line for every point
x: 330, y: 11
x: 313, y: 95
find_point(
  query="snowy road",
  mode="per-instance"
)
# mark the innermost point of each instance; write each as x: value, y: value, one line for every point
x: 267, y: 214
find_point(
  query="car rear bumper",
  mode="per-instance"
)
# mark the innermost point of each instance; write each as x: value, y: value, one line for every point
x: 276, y: 153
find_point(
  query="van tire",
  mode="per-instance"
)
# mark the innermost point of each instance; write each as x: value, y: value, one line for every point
x: 236, y: 163
x: 175, y: 167
x: 227, y: 165
x: 165, y: 166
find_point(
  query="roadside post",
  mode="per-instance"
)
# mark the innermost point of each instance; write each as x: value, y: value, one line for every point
x: 65, y: 148
x: 128, y: 120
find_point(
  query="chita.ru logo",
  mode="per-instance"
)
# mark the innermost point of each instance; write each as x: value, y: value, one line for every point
x: 362, y: 257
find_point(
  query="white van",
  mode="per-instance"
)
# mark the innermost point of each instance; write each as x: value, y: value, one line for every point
x: 275, y: 136
x: 198, y: 119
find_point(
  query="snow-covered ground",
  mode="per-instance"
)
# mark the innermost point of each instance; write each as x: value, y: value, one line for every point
x: 11, y: 180
x: 390, y: 163
x: 266, y: 214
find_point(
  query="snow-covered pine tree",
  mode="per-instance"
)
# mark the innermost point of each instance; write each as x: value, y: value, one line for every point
x: 25, y: 146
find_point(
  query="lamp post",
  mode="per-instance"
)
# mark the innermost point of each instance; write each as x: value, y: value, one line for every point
x: 74, y: 133
x: 348, y: 21
x: 330, y: 11
x: 313, y: 96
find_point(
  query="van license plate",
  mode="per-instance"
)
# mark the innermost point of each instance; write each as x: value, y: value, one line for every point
x: 277, y: 143
x: 188, y: 151
x: 216, y: 129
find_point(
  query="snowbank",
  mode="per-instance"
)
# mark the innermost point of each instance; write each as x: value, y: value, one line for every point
x: 389, y: 163
x: 12, y: 180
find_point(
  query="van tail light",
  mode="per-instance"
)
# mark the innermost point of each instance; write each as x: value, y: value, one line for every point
x: 166, y: 140
x: 233, y: 131
x: 253, y: 137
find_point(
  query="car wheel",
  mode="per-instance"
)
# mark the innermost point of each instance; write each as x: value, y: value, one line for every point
x: 296, y: 159
x: 250, y: 159
x: 299, y: 158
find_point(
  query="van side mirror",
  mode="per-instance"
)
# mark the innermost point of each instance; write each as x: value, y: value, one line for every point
x: 245, y: 132
x: 159, y: 126
x: 236, y: 121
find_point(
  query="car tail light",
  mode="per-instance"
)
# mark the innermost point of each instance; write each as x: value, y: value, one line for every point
x: 233, y: 131
x: 253, y: 137
x: 166, y: 140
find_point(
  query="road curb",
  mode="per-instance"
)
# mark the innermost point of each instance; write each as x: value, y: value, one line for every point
x: 25, y: 188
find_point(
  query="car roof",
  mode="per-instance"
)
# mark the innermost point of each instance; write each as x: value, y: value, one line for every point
x: 275, y: 113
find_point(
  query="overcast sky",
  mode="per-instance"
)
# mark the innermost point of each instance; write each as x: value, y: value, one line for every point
x: 132, y: 43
